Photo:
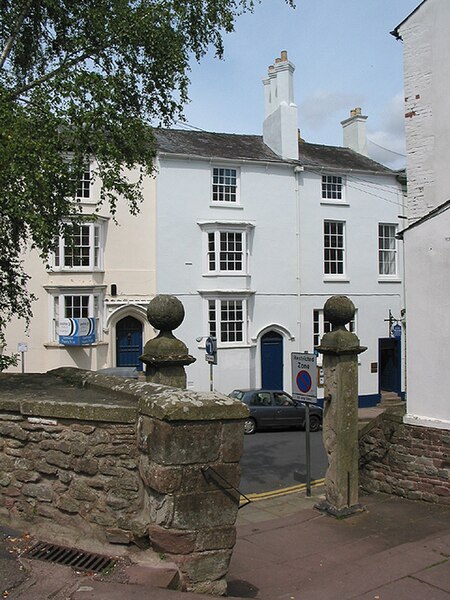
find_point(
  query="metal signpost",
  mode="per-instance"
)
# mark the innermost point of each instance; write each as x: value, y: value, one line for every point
x: 211, y: 357
x: 22, y: 347
x: 304, y: 388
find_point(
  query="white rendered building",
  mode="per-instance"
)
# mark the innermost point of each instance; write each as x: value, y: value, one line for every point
x: 255, y: 233
x: 426, y: 44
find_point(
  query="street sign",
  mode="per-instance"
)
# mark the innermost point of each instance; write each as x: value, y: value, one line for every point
x: 396, y: 331
x: 304, y: 376
x: 22, y: 347
x: 211, y: 350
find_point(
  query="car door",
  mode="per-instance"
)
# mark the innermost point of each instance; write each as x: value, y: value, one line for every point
x: 288, y: 412
x: 262, y: 409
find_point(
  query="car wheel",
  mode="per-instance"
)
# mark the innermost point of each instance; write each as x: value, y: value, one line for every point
x: 249, y: 426
x: 314, y: 423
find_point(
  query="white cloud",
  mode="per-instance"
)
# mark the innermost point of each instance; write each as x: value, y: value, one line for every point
x: 387, y: 142
x: 322, y: 106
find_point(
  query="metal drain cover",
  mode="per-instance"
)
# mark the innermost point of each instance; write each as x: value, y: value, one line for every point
x: 69, y: 557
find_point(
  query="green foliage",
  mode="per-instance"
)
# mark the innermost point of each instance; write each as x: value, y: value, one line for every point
x: 82, y: 78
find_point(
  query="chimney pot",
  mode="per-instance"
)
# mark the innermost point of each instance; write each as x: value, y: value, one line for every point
x: 277, y: 60
x: 284, y: 55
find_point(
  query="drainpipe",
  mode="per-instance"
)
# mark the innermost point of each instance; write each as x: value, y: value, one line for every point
x: 298, y: 170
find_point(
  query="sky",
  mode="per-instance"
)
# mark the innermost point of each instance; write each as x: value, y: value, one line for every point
x: 344, y: 57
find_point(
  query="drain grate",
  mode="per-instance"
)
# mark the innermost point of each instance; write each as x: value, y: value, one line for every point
x: 70, y: 557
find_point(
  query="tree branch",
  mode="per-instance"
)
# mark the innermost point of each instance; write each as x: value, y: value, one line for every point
x: 15, y: 94
x: 15, y: 31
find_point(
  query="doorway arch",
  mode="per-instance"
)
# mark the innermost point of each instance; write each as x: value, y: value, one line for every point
x: 129, y: 343
x: 272, y: 361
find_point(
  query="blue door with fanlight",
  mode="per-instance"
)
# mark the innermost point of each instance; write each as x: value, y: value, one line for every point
x: 129, y: 343
x: 272, y: 361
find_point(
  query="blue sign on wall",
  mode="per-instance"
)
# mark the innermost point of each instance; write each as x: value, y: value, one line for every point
x: 396, y: 331
x: 76, y: 332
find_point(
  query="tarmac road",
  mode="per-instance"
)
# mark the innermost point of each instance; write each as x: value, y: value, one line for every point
x: 271, y: 458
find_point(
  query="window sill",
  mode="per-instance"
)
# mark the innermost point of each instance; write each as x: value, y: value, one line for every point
x: 68, y: 270
x: 227, y: 274
x: 52, y: 345
x: 234, y: 346
x: 389, y: 280
x: 325, y: 202
x: 336, y: 280
x: 225, y: 205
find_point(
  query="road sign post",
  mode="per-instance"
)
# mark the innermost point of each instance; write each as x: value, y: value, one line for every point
x: 22, y: 347
x: 304, y: 388
x: 211, y: 357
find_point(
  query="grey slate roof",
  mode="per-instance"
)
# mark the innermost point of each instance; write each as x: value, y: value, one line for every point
x: 214, y: 145
x: 251, y: 147
x: 336, y: 157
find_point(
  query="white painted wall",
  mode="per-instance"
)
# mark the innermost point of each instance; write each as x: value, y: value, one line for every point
x: 428, y: 322
x: 286, y: 261
x: 268, y: 202
x: 427, y: 106
x: 369, y: 200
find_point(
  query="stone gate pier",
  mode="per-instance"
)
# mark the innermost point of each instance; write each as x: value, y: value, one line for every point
x: 123, y: 462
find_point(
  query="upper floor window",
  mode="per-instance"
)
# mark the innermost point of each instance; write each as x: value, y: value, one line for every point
x: 79, y: 248
x: 84, y: 183
x: 332, y: 187
x: 226, y: 251
x: 334, y: 247
x: 225, y: 185
x: 387, y: 249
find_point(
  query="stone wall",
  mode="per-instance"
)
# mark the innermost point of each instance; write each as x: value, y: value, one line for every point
x: 124, y: 461
x: 405, y: 460
x: 77, y: 474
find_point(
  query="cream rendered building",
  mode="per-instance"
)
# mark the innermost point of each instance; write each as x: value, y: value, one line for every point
x: 108, y: 273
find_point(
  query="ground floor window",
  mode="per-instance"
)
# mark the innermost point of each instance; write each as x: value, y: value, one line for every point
x: 321, y: 326
x: 226, y: 320
x: 76, y: 306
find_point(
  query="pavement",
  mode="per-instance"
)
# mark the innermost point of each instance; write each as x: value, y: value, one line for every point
x: 395, y: 549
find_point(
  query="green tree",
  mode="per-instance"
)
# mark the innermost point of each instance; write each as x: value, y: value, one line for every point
x: 82, y: 78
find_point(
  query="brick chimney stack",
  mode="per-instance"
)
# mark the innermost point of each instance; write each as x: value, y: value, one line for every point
x: 281, y: 116
x: 354, y: 132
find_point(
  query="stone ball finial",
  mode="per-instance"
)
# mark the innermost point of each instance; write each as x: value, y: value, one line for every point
x: 165, y: 312
x: 339, y: 310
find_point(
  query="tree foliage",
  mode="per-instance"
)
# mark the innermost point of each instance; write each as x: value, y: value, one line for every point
x: 82, y: 78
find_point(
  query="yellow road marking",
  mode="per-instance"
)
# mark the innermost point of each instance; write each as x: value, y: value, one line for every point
x: 281, y: 492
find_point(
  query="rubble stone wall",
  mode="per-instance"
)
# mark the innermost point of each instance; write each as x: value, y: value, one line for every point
x: 70, y: 472
x: 123, y: 462
x: 405, y: 460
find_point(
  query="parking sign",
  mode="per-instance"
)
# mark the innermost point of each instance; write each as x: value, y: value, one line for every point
x: 304, y: 376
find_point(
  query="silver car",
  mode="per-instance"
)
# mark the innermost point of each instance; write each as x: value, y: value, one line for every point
x: 276, y: 409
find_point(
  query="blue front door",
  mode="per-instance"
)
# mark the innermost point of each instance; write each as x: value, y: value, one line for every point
x: 129, y: 343
x: 272, y: 361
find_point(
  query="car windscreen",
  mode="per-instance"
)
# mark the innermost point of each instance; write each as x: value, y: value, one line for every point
x: 238, y: 394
